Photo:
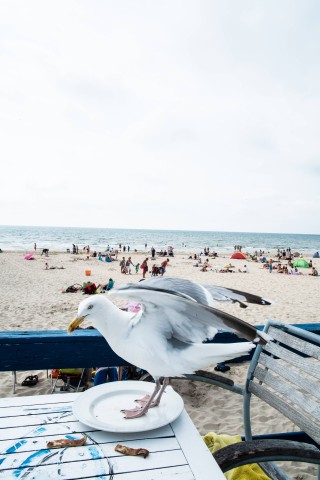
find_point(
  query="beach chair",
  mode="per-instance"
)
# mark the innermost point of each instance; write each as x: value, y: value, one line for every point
x: 68, y: 379
x: 285, y: 375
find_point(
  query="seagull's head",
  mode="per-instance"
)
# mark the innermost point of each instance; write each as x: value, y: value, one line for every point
x: 94, y: 308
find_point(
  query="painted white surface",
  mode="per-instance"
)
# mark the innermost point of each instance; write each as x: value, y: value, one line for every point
x: 28, y: 423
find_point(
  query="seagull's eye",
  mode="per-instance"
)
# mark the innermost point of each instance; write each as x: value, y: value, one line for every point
x: 90, y: 306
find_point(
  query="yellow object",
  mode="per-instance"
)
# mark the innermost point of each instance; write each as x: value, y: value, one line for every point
x: 87, y: 272
x: 65, y: 371
x: 253, y: 472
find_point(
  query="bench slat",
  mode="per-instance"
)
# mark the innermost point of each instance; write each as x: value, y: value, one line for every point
x: 299, y: 344
x: 294, y: 359
x: 291, y: 375
x: 304, y: 403
x: 288, y: 411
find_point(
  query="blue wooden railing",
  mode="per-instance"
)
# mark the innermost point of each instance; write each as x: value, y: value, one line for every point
x: 40, y: 350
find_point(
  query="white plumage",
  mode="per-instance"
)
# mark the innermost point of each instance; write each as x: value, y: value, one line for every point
x: 166, y: 336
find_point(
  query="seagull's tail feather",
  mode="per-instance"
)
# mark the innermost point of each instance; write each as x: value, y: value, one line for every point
x: 224, y: 352
x: 213, y: 353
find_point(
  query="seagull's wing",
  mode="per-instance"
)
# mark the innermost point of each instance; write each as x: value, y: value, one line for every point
x: 180, y: 285
x: 178, y: 317
x: 205, y: 294
x: 222, y: 294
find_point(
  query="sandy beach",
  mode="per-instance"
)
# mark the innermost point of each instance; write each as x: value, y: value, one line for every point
x: 33, y: 299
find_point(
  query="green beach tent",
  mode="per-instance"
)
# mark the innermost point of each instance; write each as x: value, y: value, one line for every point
x: 301, y: 263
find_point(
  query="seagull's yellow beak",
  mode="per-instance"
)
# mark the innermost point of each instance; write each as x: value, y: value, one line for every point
x: 75, y: 323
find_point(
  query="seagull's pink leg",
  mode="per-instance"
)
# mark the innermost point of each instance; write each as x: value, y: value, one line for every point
x: 156, y: 401
x: 138, y: 411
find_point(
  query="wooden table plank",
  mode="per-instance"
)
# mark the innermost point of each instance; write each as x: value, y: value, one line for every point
x: 171, y: 473
x: 51, y: 399
x: 8, y: 447
x: 200, y: 461
x: 66, y: 472
x: 90, y: 454
x: 15, y: 433
x: 10, y: 459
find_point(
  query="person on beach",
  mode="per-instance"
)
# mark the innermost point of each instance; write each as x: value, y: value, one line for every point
x: 163, y: 266
x: 314, y: 272
x: 128, y: 265
x: 123, y: 265
x: 144, y: 267
x: 155, y: 270
x: 109, y: 285
x: 295, y: 271
x: 245, y: 269
x: 35, y: 247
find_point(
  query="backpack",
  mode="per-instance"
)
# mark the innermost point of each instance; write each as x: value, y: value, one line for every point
x: 73, y: 288
x: 89, y: 288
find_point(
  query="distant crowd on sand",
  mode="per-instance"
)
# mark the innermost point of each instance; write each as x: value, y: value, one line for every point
x: 128, y: 267
x: 259, y: 256
x: 290, y: 267
x: 126, y: 264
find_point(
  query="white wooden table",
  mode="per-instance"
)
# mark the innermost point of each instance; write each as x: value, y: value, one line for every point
x: 28, y: 423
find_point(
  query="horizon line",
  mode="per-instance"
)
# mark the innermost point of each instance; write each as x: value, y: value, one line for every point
x: 160, y: 229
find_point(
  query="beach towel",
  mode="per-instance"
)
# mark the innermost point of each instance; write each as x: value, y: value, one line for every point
x: 214, y: 442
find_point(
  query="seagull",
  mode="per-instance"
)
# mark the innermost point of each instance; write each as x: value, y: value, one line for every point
x: 165, y: 337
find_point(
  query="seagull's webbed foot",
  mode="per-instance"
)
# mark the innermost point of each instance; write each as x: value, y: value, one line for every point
x: 133, y: 412
x: 148, y: 401
x: 142, y: 401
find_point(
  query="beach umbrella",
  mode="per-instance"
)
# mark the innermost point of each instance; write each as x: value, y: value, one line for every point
x: 239, y: 256
x: 316, y: 255
x: 29, y: 256
x: 301, y: 263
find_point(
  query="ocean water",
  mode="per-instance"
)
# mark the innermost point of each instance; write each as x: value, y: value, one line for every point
x: 60, y: 238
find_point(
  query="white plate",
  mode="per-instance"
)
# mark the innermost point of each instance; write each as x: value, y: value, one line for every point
x: 100, y: 407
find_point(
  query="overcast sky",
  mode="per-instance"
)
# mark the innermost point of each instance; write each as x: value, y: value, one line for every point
x: 177, y: 114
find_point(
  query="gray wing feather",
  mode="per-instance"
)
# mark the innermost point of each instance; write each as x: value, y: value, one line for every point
x: 205, y: 294
x: 183, y: 319
x: 175, y: 285
x: 222, y: 294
